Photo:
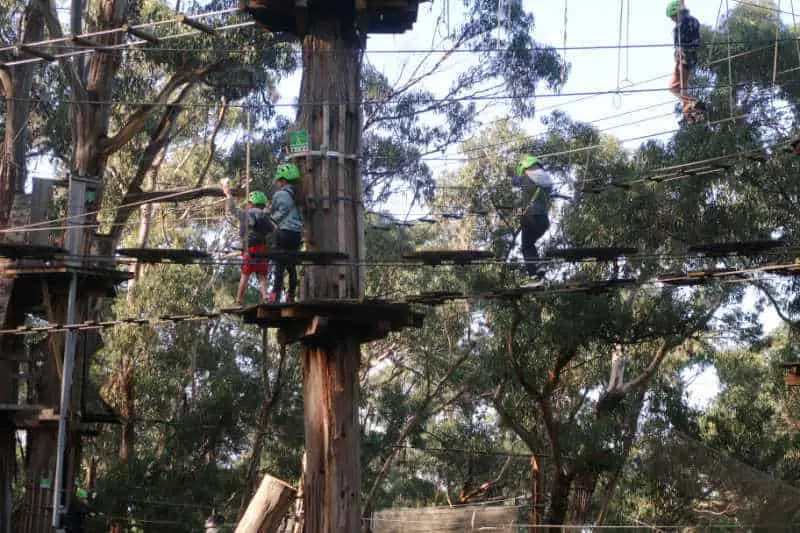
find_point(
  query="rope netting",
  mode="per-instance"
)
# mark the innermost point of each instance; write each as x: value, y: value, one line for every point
x: 720, y: 486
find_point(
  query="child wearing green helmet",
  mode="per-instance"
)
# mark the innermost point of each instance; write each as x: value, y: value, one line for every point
x: 254, y: 227
x: 686, y: 37
x: 289, y: 222
x: 537, y: 187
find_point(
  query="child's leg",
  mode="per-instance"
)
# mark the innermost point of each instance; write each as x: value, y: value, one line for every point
x: 295, y: 243
x: 243, y: 279
x: 277, y: 281
x: 262, y: 280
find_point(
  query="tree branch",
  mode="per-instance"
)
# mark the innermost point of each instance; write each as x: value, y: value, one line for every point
x: 793, y: 324
x: 54, y: 29
x: 212, y: 145
x: 484, y: 487
x: 159, y: 140
x: 138, y: 120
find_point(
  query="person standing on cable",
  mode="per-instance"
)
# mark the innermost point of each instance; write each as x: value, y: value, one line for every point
x: 289, y: 221
x: 686, y: 37
x: 537, y: 188
x: 254, y: 227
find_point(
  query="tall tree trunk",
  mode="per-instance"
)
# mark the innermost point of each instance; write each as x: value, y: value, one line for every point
x: 16, y: 85
x: 559, y: 500
x: 16, y: 88
x: 330, y: 111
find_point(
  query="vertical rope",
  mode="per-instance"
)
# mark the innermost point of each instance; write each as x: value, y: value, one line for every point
x: 564, y: 46
x: 617, y: 99
x: 731, y: 99
x: 794, y: 25
x: 775, y: 56
x: 627, y: 79
x: 247, y: 175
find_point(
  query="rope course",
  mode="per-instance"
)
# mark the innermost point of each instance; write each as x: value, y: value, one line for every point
x: 440, y: 297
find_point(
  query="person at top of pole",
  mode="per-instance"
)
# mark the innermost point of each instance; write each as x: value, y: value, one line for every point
x: 686, y: 38
x: 289, y: 222
x: 254, y: 227
x: 537, y: 188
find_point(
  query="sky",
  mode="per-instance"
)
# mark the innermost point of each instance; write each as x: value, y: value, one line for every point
x: 588, y: 23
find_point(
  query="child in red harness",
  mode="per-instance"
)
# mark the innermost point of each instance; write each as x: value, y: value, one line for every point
x: 254, y: 226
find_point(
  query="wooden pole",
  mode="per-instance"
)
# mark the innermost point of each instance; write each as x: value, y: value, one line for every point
x: 268, y: 507
x: 331, y: 75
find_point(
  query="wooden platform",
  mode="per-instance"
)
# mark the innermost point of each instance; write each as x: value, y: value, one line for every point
x: 98, y: 281
x: 30, y: 251
x: 324, y: 319
x: 310, y: 257
x: 595, y: 286
x: 791, y: 374
x: 782, y: 270
x: 164, y: 255
x: 741, y: 248
x: 698, y: 277
x: 174, y: 195
x: 456, y: 257
x: 598, y: 254
x: 434, y: 297
x: 371, y: 16
x: 515, y: 293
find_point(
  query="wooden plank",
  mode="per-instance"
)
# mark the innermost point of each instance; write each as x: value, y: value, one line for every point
x: 359, y: 316
x: 174, y: 195
x: 41, y: 198
x: 196, y: 24
x: 160, y: 255
x: 30, y: 251
x: 140, y: 33
x: 304, y: 257
x: 437, y: 257
x: 340, y: 194
x: 22, y: 407
x: 599, y: 254
x: 326, y: 140
x: 738, y: 247
x: 434, y: 297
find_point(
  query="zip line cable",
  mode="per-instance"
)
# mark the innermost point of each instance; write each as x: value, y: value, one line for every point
x: 83, y: 49
x: 450, y: 100
x: 47, y: 224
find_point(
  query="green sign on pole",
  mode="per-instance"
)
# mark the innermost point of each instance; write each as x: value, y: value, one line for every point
x: 298, y: 141
x: 44, y: 483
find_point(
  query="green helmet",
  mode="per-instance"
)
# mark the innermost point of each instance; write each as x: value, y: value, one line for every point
x: 257, y: 198
x: 527, y: 162
x: 287, y: 171
x: 673, y: 8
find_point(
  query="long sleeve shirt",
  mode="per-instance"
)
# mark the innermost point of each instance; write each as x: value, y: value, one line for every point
x: 284, y: 210
x: 686, y: 33
x: 536, y: 188
x: 248, y: 235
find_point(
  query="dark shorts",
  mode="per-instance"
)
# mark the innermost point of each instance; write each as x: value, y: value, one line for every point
x: 252, y: 265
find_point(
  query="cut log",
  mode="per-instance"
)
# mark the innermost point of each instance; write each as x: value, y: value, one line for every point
x: 268, y: 507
